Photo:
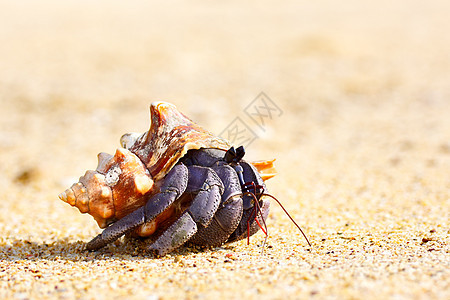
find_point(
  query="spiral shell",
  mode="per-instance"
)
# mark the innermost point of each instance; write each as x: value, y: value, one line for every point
x: 123, y: 182
x: 119, y: 185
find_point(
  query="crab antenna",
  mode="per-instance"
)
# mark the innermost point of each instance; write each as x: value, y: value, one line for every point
x: 264, y: 223
x: 265, y: 194
x: 257, y: 209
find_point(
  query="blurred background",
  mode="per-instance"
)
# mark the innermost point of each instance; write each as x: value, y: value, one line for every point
x: 362, y: 137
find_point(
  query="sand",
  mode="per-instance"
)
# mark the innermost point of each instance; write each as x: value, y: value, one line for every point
x: 361, y: 133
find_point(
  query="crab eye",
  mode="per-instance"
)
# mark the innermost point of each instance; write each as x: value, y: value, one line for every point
x: 112, y: 176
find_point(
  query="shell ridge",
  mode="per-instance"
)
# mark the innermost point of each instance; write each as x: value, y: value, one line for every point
x: 165, y: 142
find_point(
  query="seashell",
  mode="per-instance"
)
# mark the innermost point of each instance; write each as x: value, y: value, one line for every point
x: 124, y: 181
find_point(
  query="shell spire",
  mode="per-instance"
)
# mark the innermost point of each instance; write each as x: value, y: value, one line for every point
x: 120, y: 184
x: 170, y: 136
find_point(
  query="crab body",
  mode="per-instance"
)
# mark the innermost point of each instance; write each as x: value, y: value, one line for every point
x: 174, y: 184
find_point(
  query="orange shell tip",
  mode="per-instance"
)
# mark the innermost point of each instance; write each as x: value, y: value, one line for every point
x: 143, y: 184
x: 70, y: 197
x: 265, y: 168
x: 63, y: 197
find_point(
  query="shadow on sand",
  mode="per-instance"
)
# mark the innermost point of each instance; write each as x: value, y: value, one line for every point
x: 126, y: 249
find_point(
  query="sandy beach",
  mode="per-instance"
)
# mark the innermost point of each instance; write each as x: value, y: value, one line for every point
x: 358, y: 118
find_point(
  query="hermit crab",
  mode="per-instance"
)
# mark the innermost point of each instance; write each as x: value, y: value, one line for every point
x: 174, y: 184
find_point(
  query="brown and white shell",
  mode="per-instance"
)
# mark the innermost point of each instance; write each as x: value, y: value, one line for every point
x: 125, y: 181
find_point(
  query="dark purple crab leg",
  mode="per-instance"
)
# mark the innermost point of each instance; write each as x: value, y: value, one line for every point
x: 229, y: 214
x: 176, y: 235
x: 173, y: 187
x: 208, y: 188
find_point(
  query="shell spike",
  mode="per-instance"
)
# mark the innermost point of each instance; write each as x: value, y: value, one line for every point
x: 103, y: 160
